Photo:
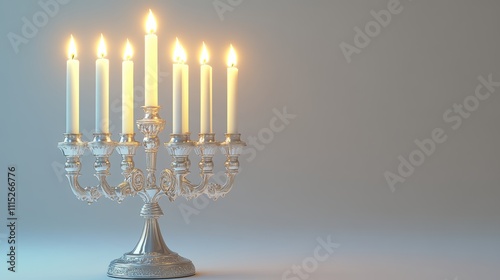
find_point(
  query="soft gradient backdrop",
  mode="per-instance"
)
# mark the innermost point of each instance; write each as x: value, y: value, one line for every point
x: 321, y: 174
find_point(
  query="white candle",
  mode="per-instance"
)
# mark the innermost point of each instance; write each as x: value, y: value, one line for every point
x: 128, y: 91
x: 185, y: 98
x: 151, y: 63
x: 72, y: 90
x: 232, y: 92
x: 177, y: 87
x: 102, y: 90
x: 205, y: 93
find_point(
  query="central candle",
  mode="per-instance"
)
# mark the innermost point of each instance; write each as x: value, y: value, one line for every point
x: 151, y: 63
x: 102, y: 90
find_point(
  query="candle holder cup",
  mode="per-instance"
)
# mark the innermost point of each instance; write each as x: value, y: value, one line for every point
x: 151, y: 258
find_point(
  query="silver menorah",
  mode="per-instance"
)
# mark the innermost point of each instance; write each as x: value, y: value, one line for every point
x: 151, y: 258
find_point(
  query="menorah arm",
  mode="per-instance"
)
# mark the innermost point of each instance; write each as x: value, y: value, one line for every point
x: 73, y: 148
x: 232, y: 148
x: 102, y: 147
x: 190, y: 190
x: 87, y: 194
x: 182, y: 186
x: 118, y: 193
x: 91, y: 194
x: 174, y: 181
x: 174, y: 185
x: 215, y: 191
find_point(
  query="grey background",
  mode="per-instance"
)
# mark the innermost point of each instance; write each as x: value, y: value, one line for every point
x: 322, y: 175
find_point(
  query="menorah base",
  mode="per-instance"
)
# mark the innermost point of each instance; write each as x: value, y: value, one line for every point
x: 151, y: 258
x: 156, y: 266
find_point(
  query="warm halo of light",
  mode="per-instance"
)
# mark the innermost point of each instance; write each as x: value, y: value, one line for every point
x: 204, y: 54
x: 72, y: 48
x: 231, y: 57
x: 179, y: 53
x: 151, y: 23
x: 101, y: 51
x: 128, y: 51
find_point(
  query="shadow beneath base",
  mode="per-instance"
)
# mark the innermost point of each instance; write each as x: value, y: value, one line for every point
x: 231, y: 275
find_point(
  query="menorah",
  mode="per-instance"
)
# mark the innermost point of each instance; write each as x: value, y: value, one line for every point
x: 150, y: 258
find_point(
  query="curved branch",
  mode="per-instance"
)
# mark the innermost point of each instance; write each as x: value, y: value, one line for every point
x: 191, y: 191
x: 215, y: 191
x: 132, y: 184
x: 87, y: 194
x: 175, y: 185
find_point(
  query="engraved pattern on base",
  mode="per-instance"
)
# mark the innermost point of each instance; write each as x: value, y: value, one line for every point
x: 151, y: 266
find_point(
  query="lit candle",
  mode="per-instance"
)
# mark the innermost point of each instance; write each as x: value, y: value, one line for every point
x: 185, y: 98
x: 72, y: 90
x: 205, y: 93
x: 151, y: 62
x: 177, y: 87
x: 232, y: 92
x: 102, y: 90
x: 127, y: 91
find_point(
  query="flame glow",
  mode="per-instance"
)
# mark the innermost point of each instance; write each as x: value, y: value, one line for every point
x: 101, y: 51
x: 151, y: 23
x: 179, y: 53
x: 204, y: 54
x: 128, y: 51
x: 231, y: 57
x: 72, y: 48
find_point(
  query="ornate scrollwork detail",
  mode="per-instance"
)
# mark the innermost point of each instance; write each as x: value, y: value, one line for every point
x: 134, y: 182
x: 94, y: 194
x: 137, y: 180
x: 215, y: 191
x: 167, y: 184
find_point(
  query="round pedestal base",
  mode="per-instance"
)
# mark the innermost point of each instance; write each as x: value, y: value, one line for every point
x: 151, y: 266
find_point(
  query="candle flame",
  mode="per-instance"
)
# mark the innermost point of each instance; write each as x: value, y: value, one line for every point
x: 128, y: 51
x: 179, y: 53
x: 231, y: 58
x: 101, y: 51
x: 151, y: 23
x: 204, y: 54
x: 72, y: 48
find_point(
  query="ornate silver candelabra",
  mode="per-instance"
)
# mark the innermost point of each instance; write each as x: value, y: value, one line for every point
x: 151, y: 258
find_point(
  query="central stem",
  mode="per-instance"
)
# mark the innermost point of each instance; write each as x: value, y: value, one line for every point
x: 151, y: 168
x: 150, y: 126
x: 151, y: 241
